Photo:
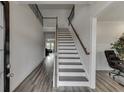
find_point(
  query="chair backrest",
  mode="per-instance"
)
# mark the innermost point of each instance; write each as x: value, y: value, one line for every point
x: 111, y: 56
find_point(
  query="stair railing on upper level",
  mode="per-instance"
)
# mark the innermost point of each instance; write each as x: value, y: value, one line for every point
x: 70, y: 18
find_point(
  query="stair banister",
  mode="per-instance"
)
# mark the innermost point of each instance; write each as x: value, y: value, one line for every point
x: 71, y: 17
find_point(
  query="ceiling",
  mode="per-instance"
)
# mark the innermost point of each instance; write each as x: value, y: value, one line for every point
x: 114, y: 12
x: 55, y: 6
x: 54, y: 2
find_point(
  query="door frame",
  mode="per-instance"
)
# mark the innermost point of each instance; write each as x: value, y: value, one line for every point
x: 6, y: 45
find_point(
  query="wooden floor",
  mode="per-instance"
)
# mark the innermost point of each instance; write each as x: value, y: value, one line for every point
x: 40, y: 80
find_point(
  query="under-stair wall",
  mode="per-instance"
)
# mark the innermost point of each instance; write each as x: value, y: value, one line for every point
x: 81, y: 52
x: 84, y: 22
x: 81, y: 24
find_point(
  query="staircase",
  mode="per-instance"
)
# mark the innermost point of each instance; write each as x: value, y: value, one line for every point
x: 70, y: 69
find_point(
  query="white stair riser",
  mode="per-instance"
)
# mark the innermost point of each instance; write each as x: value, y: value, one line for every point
x: 66, y: 44
x: 67, y: 48
x: 65, y: 41
x: 68, y: 60
x: 69, y: 51
x: 71, y: 66
x: 66, y: 83
x: 64, y: 36
x: 68, y: 55
x: 63, y: 32
x: 72, y: 74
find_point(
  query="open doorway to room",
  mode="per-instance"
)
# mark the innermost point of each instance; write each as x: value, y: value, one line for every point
x: 49, y: 43
x: 49, y: 46
x: 4, y: 48
x: 110, y: 27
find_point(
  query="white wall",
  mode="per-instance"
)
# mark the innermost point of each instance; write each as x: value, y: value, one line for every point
x: 1, y: 49
x: 84, y: 23
x: 26, y: 43
x: 49, y: 35
x: 107, y: 32
x: 81, y: 23
x: 62, y: 15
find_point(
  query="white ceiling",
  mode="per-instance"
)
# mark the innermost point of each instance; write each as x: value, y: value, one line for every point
x: 55, y: 2
x: 114, y: 12
x: 55, y: 6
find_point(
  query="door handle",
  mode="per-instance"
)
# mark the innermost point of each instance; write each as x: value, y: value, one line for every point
x: 8, y: 66
x: 1, y: 73
x: 10, y: 75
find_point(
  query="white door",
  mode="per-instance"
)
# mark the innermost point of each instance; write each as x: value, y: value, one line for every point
x: 1, y: 49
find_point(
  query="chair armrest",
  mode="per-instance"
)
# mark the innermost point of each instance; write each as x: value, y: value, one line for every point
x: 121, y: 61
x: 117, y: 62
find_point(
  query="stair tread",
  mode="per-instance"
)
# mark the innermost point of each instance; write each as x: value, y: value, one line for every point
x: 68, y: 60
x: 70, y: 51
x: 69, y: 57
x: 63, y: 32
x: 65, y: 42
x: 67, y: 49
x: 64, y: 36
x: 70, y: 66
x: 70, y: 47
x: 67, y: 53
x: 72, y: 78
x: 65, y: 39
x: 66, y: 45
x: 71, y: 70
x: 61, y: 35
x: 69, y: 63
x: 75, y: 84
x: 72, y: 74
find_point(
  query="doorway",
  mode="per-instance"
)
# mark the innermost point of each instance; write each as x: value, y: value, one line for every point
x: 4, y: 47
x: 49, y: 43
x: 49, y: 46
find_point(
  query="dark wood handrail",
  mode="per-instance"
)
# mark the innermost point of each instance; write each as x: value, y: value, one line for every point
x: 84, y: 48
x: 39, y: 12
x: 49, y: 17
x: 72, y: 11
x: 56, y: 31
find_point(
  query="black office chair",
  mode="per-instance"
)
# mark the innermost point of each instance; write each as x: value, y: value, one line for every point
x: 115, y: 63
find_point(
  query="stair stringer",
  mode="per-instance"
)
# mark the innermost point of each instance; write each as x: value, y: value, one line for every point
x: 78, y: 46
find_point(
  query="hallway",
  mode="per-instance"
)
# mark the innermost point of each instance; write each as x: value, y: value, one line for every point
x: 40, y: 80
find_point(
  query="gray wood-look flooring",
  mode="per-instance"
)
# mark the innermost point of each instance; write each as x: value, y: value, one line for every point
x: 40, y: 80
